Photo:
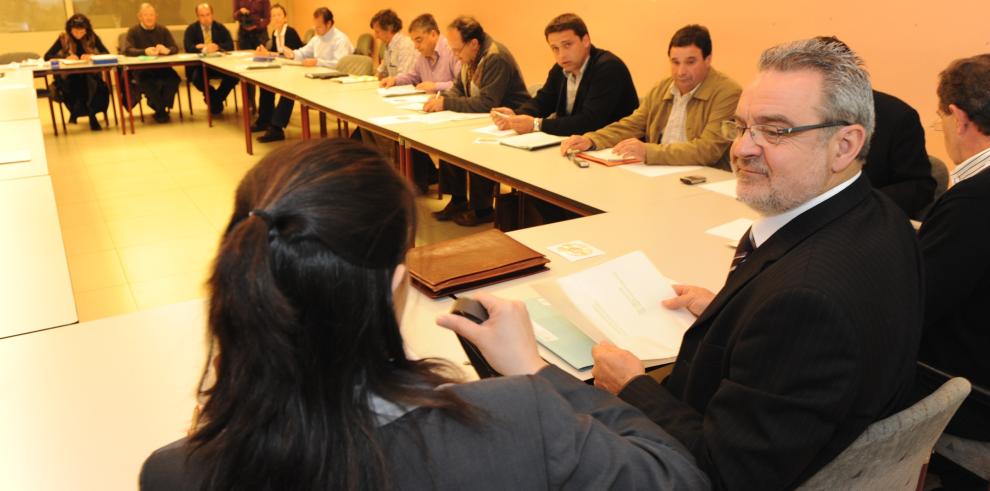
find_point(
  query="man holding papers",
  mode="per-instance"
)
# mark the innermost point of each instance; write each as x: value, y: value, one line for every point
x: 489, y: 78
x: 586, y: 89
x: 680, y: 117
x: 815, y: 333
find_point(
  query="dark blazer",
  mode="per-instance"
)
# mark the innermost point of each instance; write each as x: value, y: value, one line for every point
x: 194, y: 35
x: 954, y: 242
x: 548, y: 431
x: 292, y: 40
x: 897, y: 163
x: 606, y: 94
x: 811, y: 340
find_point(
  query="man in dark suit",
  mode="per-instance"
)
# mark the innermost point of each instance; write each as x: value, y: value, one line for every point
x: 208, y: 36
x: 587, y: 88
x: 898, y: 162
x: 954, y: 240
x: 814, y: 335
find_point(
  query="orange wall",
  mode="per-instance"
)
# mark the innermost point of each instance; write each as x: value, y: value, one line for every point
x: 905, y: 44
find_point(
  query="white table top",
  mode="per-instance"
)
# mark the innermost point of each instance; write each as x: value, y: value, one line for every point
x: 23, y: 135
x: 84, y: 405
x: 17, y: 96
x: 35, y: 291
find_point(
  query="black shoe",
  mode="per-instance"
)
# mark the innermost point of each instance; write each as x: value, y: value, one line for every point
x: 272, y: 135
x: 161, y: 116
x: 450, y: 211
x: 94, y: 124
x: 73, y: 118
x: 471, y: 218
x: 258, y: 126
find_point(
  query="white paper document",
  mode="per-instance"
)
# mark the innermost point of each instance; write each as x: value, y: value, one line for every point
x: 532, y: 141
x: 413, y: 106
x: 619, y: 300
x: 14, y: 156
x: 727, y: 188
x: 355, y: 79
x: 448, y: 116
x: 409, y: 99
x: 733, y: 230
x: 397, y: 119
x: 659, y: 170
x: 399, y: 90
x: 493, y: 130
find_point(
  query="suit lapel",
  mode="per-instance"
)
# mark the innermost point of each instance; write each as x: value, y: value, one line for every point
x: 785, y: 239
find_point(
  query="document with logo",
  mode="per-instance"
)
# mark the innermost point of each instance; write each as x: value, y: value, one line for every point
x: 619, y: 301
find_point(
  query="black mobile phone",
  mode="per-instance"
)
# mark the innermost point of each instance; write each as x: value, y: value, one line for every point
x: 692, y: 180
x: 472, y: 310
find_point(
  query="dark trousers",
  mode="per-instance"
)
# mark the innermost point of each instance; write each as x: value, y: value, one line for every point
x: 455, y: 181
x: 84, y: 94
x: 271, y: 115
x: 217, y: 95
x: 424, y: 172
x: 159, y: 86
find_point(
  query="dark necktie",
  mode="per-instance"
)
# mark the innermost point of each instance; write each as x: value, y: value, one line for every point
x: 743, y: 250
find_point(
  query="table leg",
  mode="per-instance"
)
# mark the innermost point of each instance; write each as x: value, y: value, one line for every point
x: 323, y: 125
x: 113, y: 99
x: 246, y: 117
x: 206, y: 95
x: 51, y: 107
x: 305, y: 121
x: 130, y: 100
x: 340, y: 128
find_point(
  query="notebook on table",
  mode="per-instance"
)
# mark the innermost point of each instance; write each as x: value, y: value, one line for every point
x: 326, y: 75
x: 532, y: 141
x: 469, y: 262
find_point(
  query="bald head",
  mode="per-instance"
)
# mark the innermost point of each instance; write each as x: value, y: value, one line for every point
x: 147, y: 16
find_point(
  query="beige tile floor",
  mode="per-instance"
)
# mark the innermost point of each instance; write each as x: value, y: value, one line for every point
x: 141, y: 214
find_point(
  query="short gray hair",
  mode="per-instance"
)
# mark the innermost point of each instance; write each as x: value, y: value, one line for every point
x: 846, y: 91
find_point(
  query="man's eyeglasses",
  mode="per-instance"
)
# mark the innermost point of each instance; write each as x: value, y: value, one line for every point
x: 936, y: 125
x: 767, y: 133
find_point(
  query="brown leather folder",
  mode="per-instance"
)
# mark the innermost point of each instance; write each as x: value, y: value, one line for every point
x: 469, y: 262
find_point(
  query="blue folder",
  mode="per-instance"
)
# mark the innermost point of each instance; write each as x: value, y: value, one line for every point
x: 567, y: 341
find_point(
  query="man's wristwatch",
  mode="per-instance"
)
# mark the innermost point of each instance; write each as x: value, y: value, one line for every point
x: 537, y: 122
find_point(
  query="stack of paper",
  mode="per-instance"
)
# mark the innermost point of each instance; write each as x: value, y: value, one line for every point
x: 354, y: 79
x: 532, y: 141
x: 399, y: 90
x: 619, y: 301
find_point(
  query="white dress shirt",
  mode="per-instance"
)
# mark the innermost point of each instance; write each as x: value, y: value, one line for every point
x: 279, y: 36
x: 765, y: 227
x: 675, y: 132
x: 328, y: 49
x: 573, y: 82
x: 971, y: 166
x: 399, y: 56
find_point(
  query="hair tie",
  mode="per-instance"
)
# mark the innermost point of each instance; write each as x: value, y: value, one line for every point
x: 267, y: 218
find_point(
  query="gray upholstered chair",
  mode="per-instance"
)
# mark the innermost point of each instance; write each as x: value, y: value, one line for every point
x: 533, y: 89
x: 355, y: 65
x: 892, y: 452
x: 308, y: 35
x: 365, y: 44
x: 17, y: 57
x: 971, y: 455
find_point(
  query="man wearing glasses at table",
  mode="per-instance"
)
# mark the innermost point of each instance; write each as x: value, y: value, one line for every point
x: 814, y: 335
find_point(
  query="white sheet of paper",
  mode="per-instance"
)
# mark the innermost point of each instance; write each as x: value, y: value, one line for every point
x: 398, y: 119
x: 408, y: 99
x: 448, y: 116
x: 659, y: 170
x: 576, y: 250
x: 727, y: 188
x: 486, y: 140
x: 493, y: 131
x: 733, y: 230
x: 621, y: 300
x: 415, y: 106
x: 188, y: 56
x: 14, y: 156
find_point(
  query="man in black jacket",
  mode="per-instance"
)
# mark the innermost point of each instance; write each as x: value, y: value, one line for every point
x: 148, y: 38
x: 954, y: 240
x: 587, y: 89
x: 208, y: 36
x: 814, y: 335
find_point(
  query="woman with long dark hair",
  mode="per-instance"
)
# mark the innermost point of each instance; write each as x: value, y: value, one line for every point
x: 84, y: 93
x: 312, y: 386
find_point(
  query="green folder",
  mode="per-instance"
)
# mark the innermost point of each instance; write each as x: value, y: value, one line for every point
x: 560, y: 335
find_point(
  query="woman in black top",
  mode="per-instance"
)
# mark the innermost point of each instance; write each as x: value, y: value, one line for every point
x: 86, y: 93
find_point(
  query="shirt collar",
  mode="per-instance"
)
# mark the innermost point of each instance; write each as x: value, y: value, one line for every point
x: 329, y: 34
x: 765, y: 227
x: 395, y: 40
x: 584, y: 66
x: 971, y: 166
x: 676, y: 94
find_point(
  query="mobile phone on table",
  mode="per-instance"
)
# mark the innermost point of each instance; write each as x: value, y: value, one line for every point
x: 692, y: 180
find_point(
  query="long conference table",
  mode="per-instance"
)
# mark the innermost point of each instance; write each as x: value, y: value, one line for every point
x: 83, y: 405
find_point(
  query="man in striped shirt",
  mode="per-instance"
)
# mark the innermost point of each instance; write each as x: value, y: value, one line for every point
x: 954, y: 242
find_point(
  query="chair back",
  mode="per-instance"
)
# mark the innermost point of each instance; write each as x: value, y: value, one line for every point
x: 121, y: 43
x: 891, y: 453
x: 364, y: 45
x: 308, y: 35
x: 17, y: 57
x: 355, y: 65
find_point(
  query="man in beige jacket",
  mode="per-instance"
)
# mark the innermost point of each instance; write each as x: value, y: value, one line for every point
x: 680, y: 118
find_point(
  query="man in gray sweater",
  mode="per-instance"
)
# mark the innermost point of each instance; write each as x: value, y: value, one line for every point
x: 148, y: 38
x: 489, y: 78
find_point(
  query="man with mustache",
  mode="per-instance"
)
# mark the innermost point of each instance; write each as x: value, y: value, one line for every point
x: 679, y: 119
x: 814, y: 335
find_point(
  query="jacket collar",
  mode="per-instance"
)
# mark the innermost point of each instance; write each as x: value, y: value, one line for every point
x: 704, y: 91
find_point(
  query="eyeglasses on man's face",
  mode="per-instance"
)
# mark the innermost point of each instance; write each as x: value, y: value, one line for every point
x: 768, y: 133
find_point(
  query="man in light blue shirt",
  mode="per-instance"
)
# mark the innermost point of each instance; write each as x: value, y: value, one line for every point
x: 327, y: 47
